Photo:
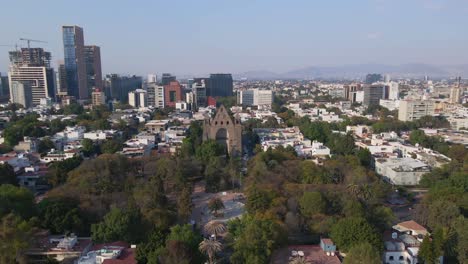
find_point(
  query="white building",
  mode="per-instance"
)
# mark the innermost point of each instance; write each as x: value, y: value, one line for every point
x: 138, y: 98
x: 401, y: 171
x: 41, y: 79
x: 256, y: 97
x: 402, y: 243
x: 21, y: 93
x: 410, y: 110
x: 155, y: 95
x: 394, y: 90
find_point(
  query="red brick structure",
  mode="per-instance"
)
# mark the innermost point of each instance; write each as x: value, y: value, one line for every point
x: 172, y: 93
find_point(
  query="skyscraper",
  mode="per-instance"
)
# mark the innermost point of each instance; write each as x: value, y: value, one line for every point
x: 75, y: 64
x: 118, y: 87
x: 93, y: 67
x: 220, y: 85
x: 4, y: 88
x: 32, y: 65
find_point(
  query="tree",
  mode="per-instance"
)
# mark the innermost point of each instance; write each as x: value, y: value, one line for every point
x: 7, y: 175
x: 210, y: 247
x: 312, y: 203
x: 363, y: 253
x: 45, y: 145
x: 17, y: 200
x: 215, y: 204
x: 111, y: 146
x: 209, y: 149
x: 58, y: 171
x: 118, y: 224
x: 15, y: 235
x: 214, y: 228
x: 184, y: 204
x: 365, y: 157
x: 426, y: 251
x: 183, y: 242
x: 149, y: 250
x: 61, y: 215
x: 461, y: 231
x: 87, y: 147
x: 351, y: 231
x: 255, y: 240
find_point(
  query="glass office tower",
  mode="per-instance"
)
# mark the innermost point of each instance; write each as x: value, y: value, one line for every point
x: 75, y: 65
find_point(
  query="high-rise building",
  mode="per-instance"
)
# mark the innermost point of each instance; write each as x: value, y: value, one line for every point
x: 373, y: 94
x: 167, y: 78
x: 21, y: 93
x: 394, y: 91
x: 455, y: 92
x: 410, y: 110
x: 4, y: 88
x: 256, y: 97
x: 155, y: 95
x: 75, y: 63
x: 98, y: 97
x: 373, y: 78
x: 221, y: 84
x: 138, y: 98
x: 199, y: 89
x: 152, y: 78
x: 32, y: 65
x: 172, y: 94
x: 93, y: 67
x: 118, y: 87
x: 351, y: 91
x: 62, y: 72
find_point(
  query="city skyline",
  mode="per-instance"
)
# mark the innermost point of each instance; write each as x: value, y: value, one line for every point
x: 241, y: 36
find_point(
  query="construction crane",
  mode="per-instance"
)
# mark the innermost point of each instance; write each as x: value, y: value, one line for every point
x: 31, y: 40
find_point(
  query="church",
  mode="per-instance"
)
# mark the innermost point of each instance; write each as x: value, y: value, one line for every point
x: 226, y: 130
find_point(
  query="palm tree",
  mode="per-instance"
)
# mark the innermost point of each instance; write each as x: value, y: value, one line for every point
x: 210, y: 247
x: 215, y: 227
x: 215, y: 204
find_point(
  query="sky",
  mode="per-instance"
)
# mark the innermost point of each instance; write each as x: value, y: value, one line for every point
x: 196, y: 37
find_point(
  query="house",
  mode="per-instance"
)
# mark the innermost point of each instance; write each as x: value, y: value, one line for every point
x: 110, y: 253
x: 324, y: 253
x: 402, y: 243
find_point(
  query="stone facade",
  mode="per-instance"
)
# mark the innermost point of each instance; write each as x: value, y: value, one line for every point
x: 225, y: 129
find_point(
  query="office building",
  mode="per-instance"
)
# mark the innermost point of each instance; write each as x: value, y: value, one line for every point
x: 155, y: 95
x: 410, y: 110
x: 62, y: 80
x: 21, y: 93
x: 167, y: 78
x: 221, y: 85
x: 33, y: 65
x: 93, y: 67
x: 199, y: 90
x: 98, y: 97
x: 373, y: 94
x: 4, y: 88
x: 350, y: 92
x: 75, y: 63
x: 117, y: 87
x: 394, y: 91
x: 256, y: 97
x: 172, y: 94
x: 138, y: 98
x: 373, y: 78
x: 152, y: 78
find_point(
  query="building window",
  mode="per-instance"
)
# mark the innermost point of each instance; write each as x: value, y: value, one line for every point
x: 227, y: 123
x: 390, y: 258
x: 401, y: 258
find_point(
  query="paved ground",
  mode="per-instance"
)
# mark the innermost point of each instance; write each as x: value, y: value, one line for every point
x: 234, y: 207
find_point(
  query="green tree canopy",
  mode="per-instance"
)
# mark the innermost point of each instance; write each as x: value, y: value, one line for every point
x: 118, y: 225
x: 363, y: 253
x: 312, y: 203
x: 351, y: 231
x: 7, y: 174
x: 17, y: 200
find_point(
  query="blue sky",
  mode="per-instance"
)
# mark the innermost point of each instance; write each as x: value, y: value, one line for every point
x: 202, y: 36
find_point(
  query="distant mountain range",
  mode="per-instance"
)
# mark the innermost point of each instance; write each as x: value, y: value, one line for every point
x: 358, y: 71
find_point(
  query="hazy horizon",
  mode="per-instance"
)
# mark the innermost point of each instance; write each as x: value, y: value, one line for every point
x: 199, y: 37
